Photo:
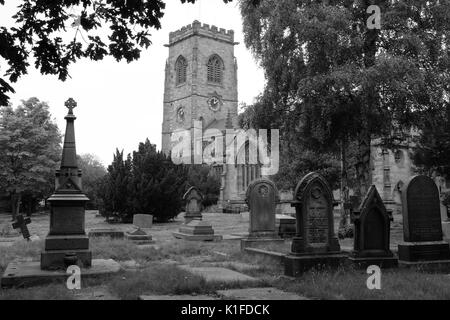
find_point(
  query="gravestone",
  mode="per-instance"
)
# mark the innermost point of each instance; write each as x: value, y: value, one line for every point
x: 422, y: 227
x: 139, y: 235
x: 112, y: 233
x: 195, y: 229
x: 315, y: 243
x: 261, y: 198
x: 143, y: 221
x: 372, y: 233
x: 193, y: 199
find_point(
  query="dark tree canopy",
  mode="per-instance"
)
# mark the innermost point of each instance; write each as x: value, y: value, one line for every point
x: 330, y: 78
x: 41, y: 31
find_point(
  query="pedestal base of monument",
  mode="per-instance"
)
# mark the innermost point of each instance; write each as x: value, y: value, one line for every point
x: 197, y: 230
x: 423, y: 251
x: 139, y: 236
x: 382, y: 262
x: 26, y: 273
x: 261, y: 242
x: 54, y: 259
x: 188, y: 217
x: 295, y: 265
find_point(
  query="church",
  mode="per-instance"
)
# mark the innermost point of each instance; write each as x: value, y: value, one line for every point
x: 201, y: 93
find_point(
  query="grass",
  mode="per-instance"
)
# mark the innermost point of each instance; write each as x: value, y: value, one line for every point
x: 350, y: 284
x: 20, y: 249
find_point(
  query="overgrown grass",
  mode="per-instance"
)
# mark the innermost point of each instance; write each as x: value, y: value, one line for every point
x: 20, y: 249
x: 350, y: 284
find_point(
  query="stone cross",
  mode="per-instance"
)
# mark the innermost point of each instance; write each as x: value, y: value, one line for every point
x: 70, y: 104
x: 22, y: 224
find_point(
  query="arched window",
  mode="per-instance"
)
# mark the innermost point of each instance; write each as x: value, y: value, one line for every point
x: 180, y: 70
x: 215, y: 67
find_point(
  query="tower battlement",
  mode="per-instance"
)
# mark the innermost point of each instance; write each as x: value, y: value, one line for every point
x: 197, y: 28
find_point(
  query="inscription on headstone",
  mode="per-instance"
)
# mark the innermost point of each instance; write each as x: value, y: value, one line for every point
x: 313, y: 202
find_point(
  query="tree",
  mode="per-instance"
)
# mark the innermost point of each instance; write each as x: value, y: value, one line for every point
x: 146, y: 183
x: 432, y: 152
x: 93, y: 172
x: 39, y: 27
x: 158, y: 183
x: 114, y: 187
x: 334, y: 81
x: 29, y: 151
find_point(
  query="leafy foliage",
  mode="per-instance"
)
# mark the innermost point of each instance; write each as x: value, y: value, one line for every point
x: 93, y: 172
x: 40, y: 27
x: 331, y: 79
x: 29, y: 150
x: 147, y: 183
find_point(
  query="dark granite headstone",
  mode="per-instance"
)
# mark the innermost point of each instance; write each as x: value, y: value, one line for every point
x: 315, y: 242
x: 193, y: 199
x: 422, y: 226
x: 372, y: 230
x: 261, y: 198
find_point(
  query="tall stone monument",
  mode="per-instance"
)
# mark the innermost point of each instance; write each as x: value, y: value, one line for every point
x: 261, y: 198
x: 372, y: 233
x: 67, y: 242
x: 315, y: 242
x: 422, y: 226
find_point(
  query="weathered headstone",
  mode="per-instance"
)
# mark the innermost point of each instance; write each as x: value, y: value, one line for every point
x: 372, y: 232
x: 139, y: 235
x: 21, y: 223
x: 193, y: 199
x: 195, y: 229
x: 261, y: 198
x: 422, y: 227
x: 143, y: 221
x: 315, y: 243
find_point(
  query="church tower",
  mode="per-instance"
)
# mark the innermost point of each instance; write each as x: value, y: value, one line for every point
x: 200, y: 80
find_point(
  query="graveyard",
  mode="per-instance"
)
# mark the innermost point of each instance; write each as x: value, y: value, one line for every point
x: 323, y: 173
x: 142, y: 266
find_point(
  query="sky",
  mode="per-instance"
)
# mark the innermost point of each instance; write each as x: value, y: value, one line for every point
x: 121, y: 104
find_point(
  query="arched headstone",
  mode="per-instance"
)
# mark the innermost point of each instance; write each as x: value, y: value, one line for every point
x: 315, y: 243
x: 422, y: 226
x: 193, y: 199
x: 261, y: 198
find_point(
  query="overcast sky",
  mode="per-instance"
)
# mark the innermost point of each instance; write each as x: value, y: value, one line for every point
x: 120, y: 104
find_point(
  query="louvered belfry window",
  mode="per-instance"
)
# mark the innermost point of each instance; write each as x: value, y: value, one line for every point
x: 180, y: 69
x: 215, y: 67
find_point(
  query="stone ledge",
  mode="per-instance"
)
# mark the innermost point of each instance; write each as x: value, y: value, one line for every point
x: 29, y: 273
